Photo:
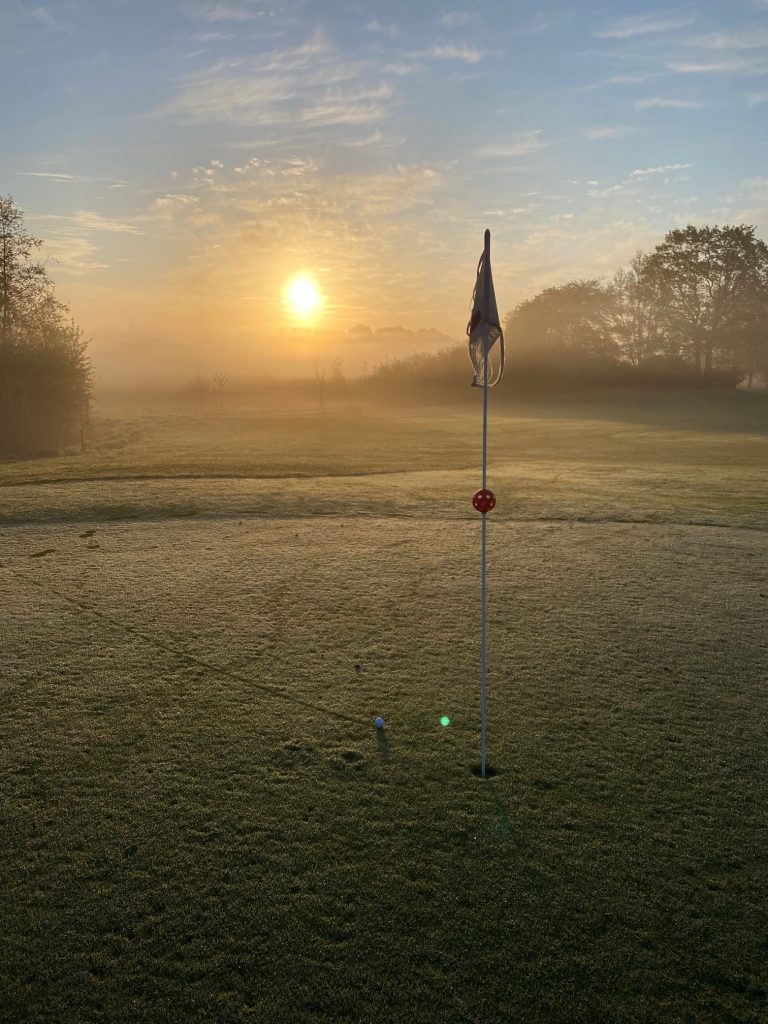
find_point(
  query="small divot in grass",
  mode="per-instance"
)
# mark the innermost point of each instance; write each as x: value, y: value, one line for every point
x: 43, y: 553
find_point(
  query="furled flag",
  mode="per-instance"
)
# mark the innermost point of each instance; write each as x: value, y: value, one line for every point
x: 480, y: 317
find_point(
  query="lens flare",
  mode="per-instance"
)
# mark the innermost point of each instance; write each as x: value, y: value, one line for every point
x: 445, y: 721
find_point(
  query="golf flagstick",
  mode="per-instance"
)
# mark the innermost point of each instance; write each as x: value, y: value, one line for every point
x: 484, y: 331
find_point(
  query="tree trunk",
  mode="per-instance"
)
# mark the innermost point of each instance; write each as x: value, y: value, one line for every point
x: 708, y: 359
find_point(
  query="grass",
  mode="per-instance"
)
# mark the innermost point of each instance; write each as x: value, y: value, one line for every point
x: 200, y: 821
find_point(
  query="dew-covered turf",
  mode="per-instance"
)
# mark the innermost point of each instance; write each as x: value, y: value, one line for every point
x: 201, y: 823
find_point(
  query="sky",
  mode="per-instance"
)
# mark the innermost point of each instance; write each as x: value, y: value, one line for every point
x: 185, y: 160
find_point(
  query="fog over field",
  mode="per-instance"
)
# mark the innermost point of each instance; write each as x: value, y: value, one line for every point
x: 152, y: 362
x: 383, y: 512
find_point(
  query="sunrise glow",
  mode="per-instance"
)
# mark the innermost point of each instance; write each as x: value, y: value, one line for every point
x: 304, y: 297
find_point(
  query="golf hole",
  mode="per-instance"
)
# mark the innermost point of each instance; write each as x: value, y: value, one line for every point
x: 490, y: 771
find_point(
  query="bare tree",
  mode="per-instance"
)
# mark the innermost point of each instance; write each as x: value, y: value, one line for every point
x: 220, y: 380
x: 198, y: 389
x: 320, y: 375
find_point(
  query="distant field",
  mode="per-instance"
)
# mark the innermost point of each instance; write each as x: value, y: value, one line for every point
x: 202, y: 616
x: 697, y: 458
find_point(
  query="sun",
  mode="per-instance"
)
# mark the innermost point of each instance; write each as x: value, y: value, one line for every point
x: 303, y: 296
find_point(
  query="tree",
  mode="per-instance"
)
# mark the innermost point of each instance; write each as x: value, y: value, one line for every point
x: 220, y: 380
x: 23, y: 284
x: 700, y: 280
x: 320, y: 375
x: 634, y: 319
x: 45, y: 375
x: 563, y: 330
x: 751, y: 337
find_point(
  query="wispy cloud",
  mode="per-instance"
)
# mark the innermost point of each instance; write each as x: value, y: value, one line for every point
x: 615, y: 131
x: 367, y: 140
x: 727, y: 66
x: 455, y: 19
x: 74, y: 178
x: 48, y: 19
x: 90, y: 221
x: 226, y: 10
x: 305, y: 85
x: 756, y: 99
x: 641, y: 24
x: 749, y: 39
x: 520, y: 145
x: 391, y: 31
x: 664, y: 103
x: 356, y: 108
x: 453, y: 51
x: 641, y: 172
x: 599, y: 193
x: 74, y: 255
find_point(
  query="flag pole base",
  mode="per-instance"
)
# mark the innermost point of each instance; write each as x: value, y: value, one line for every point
x: 490, y: 771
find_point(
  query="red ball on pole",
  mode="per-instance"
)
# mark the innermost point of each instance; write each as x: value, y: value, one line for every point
x: 484, y: 500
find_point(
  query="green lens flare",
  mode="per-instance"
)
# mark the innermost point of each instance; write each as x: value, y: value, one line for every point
x: 445, y: 720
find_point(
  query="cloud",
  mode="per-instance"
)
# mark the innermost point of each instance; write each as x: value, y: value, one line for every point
x: 610, y: 190
x: 727, y: 66
x: 643, y: 171
x: 641, y: 24
x: 359, y: 108
x: 515, y: 211
x: 48, y: 20
x: 306, y: 85
x: 756, y: 186
x: 226, y: 10
x: 543, y: 22
x: 64, y: 177
x: 750, y: 39
x: 521, y: 145
x: 90, y: 221
x: 598, y: 132
x: 756, y: 99
x: 663, y: 103
x: 367, y: 140
x: 455, y: 19
x: 74, y: 255
x: 391, y: 31
x: 453, y: 51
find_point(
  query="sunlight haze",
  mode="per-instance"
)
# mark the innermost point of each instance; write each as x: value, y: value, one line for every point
x: 182, y: 159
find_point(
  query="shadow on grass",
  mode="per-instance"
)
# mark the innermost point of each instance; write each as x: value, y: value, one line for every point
x: 383, y: 744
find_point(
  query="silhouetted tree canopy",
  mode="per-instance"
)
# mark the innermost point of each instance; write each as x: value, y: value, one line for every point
x: 708, y: 285
x: 693, y: 311
x: 696, y: 307
x: 45, y: 376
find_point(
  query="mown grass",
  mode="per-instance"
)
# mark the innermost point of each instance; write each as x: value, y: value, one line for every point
x: 667, y: 457
x: 200, y: 822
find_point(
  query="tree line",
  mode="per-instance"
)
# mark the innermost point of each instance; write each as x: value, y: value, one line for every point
x: 45, y: 375
x: 692, y: 311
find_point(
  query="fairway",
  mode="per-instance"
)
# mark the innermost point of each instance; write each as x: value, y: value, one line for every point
x: 201, y: 822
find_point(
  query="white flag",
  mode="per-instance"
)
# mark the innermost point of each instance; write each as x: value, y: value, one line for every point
x: 475, y: 329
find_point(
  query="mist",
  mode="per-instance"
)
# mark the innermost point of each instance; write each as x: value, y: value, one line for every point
x: 147, y: 361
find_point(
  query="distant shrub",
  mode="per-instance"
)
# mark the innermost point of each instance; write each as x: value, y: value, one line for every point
x: 444, y: 376
x: 45, y: 386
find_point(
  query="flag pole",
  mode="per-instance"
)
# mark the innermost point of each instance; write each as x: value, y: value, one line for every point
x: 483, y: 650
